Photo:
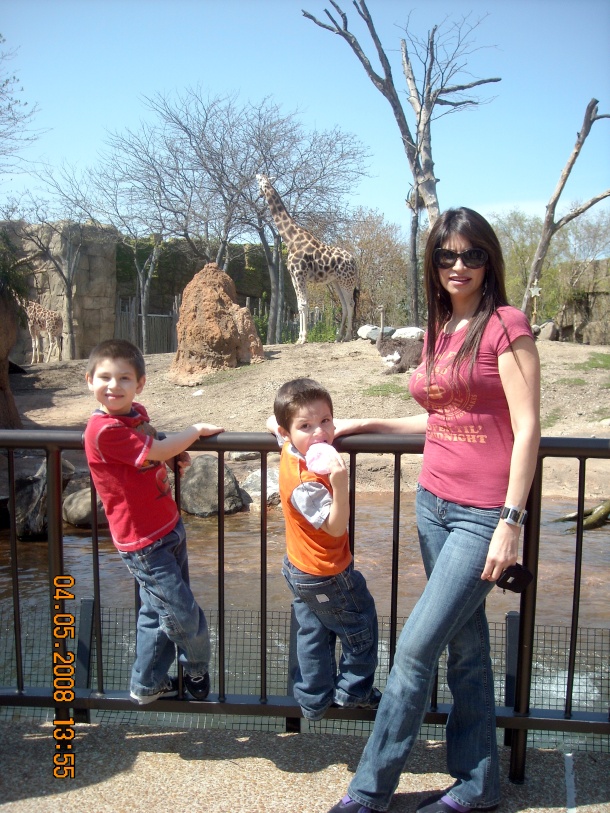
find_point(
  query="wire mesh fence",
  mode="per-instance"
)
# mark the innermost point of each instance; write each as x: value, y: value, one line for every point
x: 242, y: 674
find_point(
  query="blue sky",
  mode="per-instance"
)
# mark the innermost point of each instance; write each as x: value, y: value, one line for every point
x: 88, y: 63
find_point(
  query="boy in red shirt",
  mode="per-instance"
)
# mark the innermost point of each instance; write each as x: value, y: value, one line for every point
x: 127, y: 460
x: 331, y: 599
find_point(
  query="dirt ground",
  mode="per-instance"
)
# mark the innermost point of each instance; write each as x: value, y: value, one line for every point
x: 575, y: 401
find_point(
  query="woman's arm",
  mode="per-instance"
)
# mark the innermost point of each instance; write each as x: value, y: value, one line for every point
x: 521, y: 383
x: 411, y: 425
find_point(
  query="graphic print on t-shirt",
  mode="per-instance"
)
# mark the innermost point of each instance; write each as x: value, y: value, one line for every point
x: 450, y: 397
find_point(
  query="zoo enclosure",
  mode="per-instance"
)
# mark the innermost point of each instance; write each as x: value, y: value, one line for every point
x: 516, y: 716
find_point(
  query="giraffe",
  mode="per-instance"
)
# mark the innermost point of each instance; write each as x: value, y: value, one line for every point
x: 43, y: 320
x: 309, y: 259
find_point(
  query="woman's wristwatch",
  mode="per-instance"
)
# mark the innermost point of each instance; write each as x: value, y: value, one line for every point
x: 513, y: 515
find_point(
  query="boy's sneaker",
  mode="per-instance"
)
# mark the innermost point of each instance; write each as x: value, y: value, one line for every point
x: 170, y: 689
x: 198, y: 687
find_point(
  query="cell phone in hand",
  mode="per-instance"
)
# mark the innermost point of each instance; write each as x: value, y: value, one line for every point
x: 515, y: 578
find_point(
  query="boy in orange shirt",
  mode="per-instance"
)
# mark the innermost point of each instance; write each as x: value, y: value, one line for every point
x: 331, y: 599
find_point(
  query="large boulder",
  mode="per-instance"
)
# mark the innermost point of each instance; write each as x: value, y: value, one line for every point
x: 77, y: 511
x: 548, y: 332
x: 213, y: 331
x: 252, y: 489
x: 199, y: 488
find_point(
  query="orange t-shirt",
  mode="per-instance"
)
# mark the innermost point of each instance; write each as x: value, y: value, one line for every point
x: 306, y: 500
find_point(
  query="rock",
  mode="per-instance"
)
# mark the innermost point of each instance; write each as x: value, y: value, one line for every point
x: 251, y: 488
x: 548, y: 332
x: 31, y: 502
x: 240, y: 456
x: 364, y: 330
x: 214, y: 332
x: 77, y: 510
x: 198, y: 488
x: 387, y: 333
x: 408, y: 333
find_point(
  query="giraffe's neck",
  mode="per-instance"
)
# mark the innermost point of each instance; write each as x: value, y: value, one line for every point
x: 286, y: 226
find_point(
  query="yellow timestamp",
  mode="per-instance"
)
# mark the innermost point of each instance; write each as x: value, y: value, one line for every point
x: 63, y: 678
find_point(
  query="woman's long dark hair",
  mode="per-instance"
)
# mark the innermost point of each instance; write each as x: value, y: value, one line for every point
x: 477, y: 231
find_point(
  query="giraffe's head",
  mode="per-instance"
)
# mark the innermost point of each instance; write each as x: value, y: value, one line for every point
x: 263, y: 183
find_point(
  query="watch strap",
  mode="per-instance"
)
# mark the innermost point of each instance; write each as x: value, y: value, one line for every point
x: 513, y: 515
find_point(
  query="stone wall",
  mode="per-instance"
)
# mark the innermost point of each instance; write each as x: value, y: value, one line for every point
x: 94, y: 292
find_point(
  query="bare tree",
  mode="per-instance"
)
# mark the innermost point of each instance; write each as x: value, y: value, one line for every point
x: 15, y: 115
x: 442, y: 56
x: 202, y: 139
x: 550, y: 226
x: 129, y: 193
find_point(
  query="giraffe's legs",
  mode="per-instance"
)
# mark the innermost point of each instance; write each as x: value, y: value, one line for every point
x: 300, y: 289
x: 35, y: 336
x: 52, y: 346
x: 346, y: 298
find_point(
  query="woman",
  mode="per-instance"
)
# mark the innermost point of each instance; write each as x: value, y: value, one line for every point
x: 480, y: 385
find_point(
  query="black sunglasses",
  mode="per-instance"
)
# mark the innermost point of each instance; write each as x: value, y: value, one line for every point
x: 472, y: 258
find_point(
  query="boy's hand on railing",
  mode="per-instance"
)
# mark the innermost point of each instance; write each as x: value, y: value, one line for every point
x: 207, y: 429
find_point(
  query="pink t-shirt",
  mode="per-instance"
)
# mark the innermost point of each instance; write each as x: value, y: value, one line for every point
x: 469, y: 438
x: 135, y: 491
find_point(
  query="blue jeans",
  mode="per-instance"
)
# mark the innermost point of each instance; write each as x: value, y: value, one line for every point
x: 169, y: 616
x: 454, y: 541
x: 327, y: 608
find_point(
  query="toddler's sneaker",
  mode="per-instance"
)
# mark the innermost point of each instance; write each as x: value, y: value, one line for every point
x: 371, y: 702
x: 198, y: 687
x: 169, y: 689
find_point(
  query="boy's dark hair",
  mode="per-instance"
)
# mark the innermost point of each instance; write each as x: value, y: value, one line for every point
x: 295, y: 394
x: 117, y: 349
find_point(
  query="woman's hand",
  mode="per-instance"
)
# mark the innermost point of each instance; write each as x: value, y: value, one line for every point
x: 503, y: 550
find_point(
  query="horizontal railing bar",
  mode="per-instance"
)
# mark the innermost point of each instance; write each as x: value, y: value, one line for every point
x: 283, y: 706
x: 265, y: 441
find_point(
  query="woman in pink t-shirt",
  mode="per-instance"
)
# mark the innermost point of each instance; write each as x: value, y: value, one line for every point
x: 479, y: 383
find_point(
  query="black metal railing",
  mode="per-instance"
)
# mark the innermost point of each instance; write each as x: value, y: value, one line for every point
x: 89, y: 692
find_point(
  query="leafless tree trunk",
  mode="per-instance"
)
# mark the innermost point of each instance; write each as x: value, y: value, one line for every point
x: 435, y: 88
x: 415, y: 204
x: 551, y: 226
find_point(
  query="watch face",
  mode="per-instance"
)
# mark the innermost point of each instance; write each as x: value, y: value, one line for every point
x: 513, y: 515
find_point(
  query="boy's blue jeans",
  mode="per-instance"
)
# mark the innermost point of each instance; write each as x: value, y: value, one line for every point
x: 327, y: 608
x: 454, y: 541
x: 169, y: 616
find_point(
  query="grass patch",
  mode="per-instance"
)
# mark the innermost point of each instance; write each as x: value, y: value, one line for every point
x: 596, y: 361
x: 572, y: 382
x: 602, y: 414
x: 387, y: 388
x: 551, y: 419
